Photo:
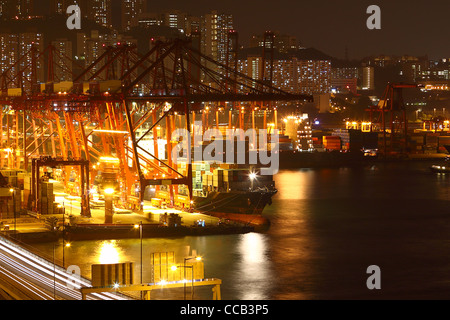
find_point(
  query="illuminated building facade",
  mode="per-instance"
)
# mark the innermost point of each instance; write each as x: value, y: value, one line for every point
x: 14, y: 46
x: 99, y: 11
x: 63, y: 59
x: 291, y: 73
x: 282, y: 42
x: 214, y: 30
x: 131, y: 10
x: 368, y: 79
x: 10, y: 9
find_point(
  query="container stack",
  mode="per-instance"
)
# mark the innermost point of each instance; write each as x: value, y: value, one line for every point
x: 199, y: 170
x: 197, y: 180
x: 218, y: 178
x: 416, y: 143
x: 431, y: 142
x: 238, y: 180
x: 344, y: 135
x: 225, y: 179
x: 332, y: 143
x: 443, y: 141
x: 26, y: 189
x: 227, y: 174
x: 108, y: 274
x: 12, y: 177
x: 7, y: 205
x: 47, y: 198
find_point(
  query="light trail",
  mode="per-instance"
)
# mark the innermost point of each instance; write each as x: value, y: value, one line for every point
x: 19, y: 282
x: 43, y: 274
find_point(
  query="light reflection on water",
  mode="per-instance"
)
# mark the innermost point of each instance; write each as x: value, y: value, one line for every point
x: 327, y: 226
x: 109, y: 252
x: 254, y: 268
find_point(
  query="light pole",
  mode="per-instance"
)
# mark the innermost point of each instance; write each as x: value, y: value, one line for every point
x: 54, y: 273
x: 192, y: 275
x: 65, y: 245
x: 13, y: 194
x: 109, y: 210
x: 139, y: 226
x: 175, y: 268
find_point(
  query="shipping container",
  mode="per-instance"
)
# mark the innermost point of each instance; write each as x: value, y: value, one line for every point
x: 108, y: 274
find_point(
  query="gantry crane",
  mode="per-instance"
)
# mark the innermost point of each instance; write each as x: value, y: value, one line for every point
x: 390, y: 115
x: 120, y: 99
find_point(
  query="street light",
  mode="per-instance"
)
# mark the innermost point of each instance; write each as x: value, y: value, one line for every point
x: 252, y: 177
x: 109, y: 191
x: 67, y: 245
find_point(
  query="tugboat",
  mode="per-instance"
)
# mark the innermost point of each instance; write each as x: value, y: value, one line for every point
x: 443, y: 168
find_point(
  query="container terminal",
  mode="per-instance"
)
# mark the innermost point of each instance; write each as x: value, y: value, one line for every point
x: 96, y: 153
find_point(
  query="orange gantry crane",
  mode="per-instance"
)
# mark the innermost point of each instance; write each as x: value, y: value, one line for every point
x: 390, y: 116
x: 116, y: 112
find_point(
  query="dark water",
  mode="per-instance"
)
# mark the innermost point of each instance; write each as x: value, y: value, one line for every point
x: 328, y: 226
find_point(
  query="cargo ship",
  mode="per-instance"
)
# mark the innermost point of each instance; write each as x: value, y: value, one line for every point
x: 231, y: 192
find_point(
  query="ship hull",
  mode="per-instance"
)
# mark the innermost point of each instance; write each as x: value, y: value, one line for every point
x: 244, y: 207
x: 294, y: 160
x: 440, y: 169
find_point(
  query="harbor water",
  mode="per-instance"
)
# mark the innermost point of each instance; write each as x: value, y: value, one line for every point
x: 327, y: 227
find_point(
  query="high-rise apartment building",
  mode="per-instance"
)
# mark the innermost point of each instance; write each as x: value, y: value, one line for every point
x: 214, y: 31
x: 96, y: 44
x: 10, y: 9
x: 27, y: 45
x: 281, y: 42
x: 131, y: 10
x: 60, y: 6
x: 314, y: 76
x: 294, y: 73
x: 99, y: 11
x: 368, y: 79
x: 9, y: 52
x: 193, y: 24
x: 62, y: 59
x: 149, y: 19
x: 174, y: 19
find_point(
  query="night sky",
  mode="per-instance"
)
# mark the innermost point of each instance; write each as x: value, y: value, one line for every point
x: 408, y: 26
x: 414, y: 27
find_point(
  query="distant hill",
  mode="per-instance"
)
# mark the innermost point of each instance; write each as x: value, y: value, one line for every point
x: 301, y: 54
x: 53, y: 27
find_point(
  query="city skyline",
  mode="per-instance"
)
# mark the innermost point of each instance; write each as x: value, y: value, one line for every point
x: 408, y: 27
x: 413, y: 28
x: 268, y: 150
